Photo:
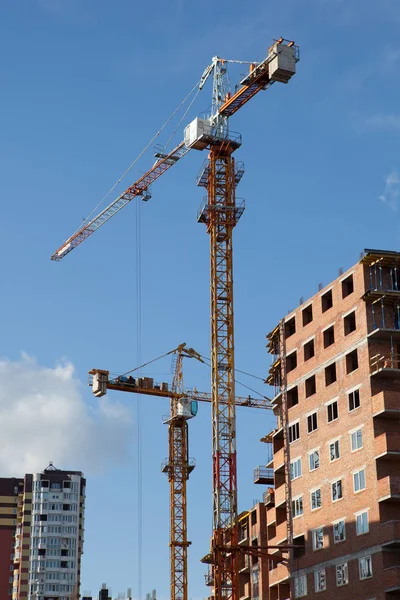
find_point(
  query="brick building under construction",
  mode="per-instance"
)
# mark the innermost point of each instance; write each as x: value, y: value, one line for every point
x: 336, y: 448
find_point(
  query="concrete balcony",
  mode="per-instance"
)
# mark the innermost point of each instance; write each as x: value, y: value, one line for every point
x: 391, y: 581
x: 386, y: 405
x: 278, y: 575
x: 279, y: 463
x: 280, y: 497
x: 281, y: 533
x: 385, y: 364
x: 387, y: 445
x: 264, y: 475
x: 389, y: 489
x: 269, y: 498
x: 244, y: 565
x: 271, y: 516
x: 390, y: 535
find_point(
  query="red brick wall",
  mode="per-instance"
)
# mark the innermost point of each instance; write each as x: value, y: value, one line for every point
x: 6, y: 540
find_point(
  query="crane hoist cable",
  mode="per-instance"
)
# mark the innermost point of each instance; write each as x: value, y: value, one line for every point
x: 139, y: 402
x: 139, y: 156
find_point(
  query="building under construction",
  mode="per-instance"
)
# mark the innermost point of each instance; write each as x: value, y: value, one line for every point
x: 336, y: 448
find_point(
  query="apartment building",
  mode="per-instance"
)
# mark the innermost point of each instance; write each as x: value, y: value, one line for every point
x: 336, y: 449
x: 9, y: 491
x: 41, y: 535
x: 253, y: 572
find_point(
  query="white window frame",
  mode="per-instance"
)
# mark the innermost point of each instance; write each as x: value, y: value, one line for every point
x: 300, y: 586
x: 318, y: 580
x: 315, y: 536
x: 360, y: 515
x: 336, y: 523
x: 311, y: 499
x: 335, y: 400
x: 314, y: 412
x: 341, y: 489
x: 296, y: 514
x: 335, y: 441
x: 354, y: 432
x: 345, y: 574
x: 351, y: 391
x: 312, y: 452
x: 357, y: 473
x: 294, y: 462
x: 368, y: 562
x: 289, y: 427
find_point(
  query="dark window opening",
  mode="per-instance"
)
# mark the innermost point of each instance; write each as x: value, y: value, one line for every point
x: 329, y: 337
x: 45, y: 484
x: 43, y: 518
x: 330, y: 374
x: 312, y: 423
x: 42, y: 552
x: 64, y: 564
x: 351, y: 361
x: 307, y: 315
x: 333, y: 411
x: 293, y: 397
x: 66, y: 484
x: 309, y: 350
x: 290, y: 327
x: 354, y: 400
x: 294, y: 432
x: 64, y: 552
x: 326, y: 301
x: 347, y: 286
x: 349, y: 323
x: 291, y: 361
x: 311, y: 387
x: 254, y: 517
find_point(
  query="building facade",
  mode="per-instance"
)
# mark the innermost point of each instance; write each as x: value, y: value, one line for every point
x: 41, y: 535
x: 336, y: 449
x: 9, y: 492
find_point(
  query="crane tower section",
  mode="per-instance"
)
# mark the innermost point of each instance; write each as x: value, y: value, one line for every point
x: 220, y: 213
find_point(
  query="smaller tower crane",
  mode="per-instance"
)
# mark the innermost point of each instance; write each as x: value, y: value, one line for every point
x: 178, y: 465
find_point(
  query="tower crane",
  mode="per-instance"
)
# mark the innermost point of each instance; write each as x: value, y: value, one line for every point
x: 220, y: 213
x: 178, y: 466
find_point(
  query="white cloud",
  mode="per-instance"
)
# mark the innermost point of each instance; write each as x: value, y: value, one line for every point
x: 391, y: 192
x: 386, y: 122
x: 44, y: 418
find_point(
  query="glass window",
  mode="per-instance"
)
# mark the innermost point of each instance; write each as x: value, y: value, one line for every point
x: 318, y: 538
x: 320, y: 580
x: 300, y: 586
x: 297, y: 507
x: 294, y: 432
x: 359, y: 480
x: 339, y: 531
x: 333, y: 412
x: 356, y: 440
x: 312, y: 423
x: 337, y: 491
x: 365, y: 565
x: 334, y: 450
x: 314, y: 460
x: 354, y: 400
x: 316, y: 500
x: 342, y: 574
x: 362, y: 525
x: 295, y: 469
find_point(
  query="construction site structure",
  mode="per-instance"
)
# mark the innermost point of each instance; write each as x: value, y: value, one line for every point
x: 336, y: 449
x: 220, y: 213
x: 178, y: 465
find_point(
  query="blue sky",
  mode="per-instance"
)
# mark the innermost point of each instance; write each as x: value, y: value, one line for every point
x: 85, y: 84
